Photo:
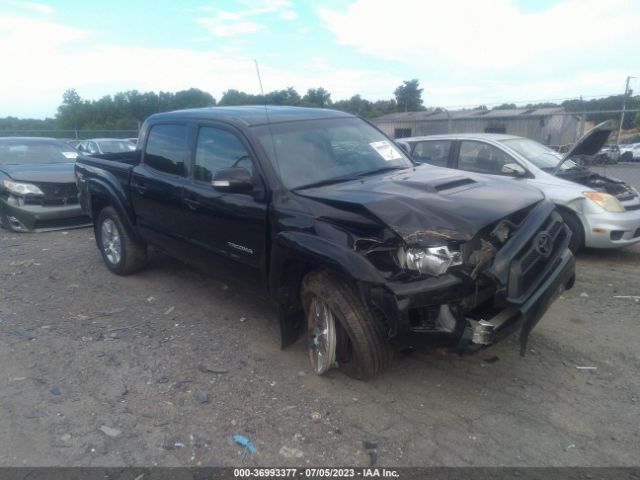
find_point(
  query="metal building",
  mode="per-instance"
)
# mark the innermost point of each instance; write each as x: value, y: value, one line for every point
x: 551, y: 126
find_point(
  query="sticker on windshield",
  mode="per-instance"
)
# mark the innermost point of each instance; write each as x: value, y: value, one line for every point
x: 386, y: 150
x: 70, y: 155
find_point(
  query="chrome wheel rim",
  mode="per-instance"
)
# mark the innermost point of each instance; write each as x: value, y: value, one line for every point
x: 321, y: 336
x: 111, y: 243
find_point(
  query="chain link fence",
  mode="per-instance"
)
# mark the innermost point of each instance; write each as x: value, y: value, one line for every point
x: 70, y: 134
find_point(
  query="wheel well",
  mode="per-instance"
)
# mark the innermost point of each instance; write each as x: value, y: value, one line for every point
x: 290, y: 283
x: 98, y: 203
x: 566, y: 212
x: 562, y: 210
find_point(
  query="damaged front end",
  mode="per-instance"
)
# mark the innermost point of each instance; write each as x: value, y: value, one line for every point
x: 466, y: 295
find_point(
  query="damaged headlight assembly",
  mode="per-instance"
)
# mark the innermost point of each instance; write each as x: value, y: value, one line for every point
x: 18, y: 188
x: 429, y: 260
x: 605, y: 200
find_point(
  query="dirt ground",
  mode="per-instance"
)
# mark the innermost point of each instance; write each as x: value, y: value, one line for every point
x: 165, y: 367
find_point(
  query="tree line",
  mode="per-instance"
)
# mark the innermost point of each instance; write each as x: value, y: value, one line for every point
x: 127, y: 110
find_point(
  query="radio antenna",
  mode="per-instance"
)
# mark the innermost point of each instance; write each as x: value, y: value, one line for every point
x: 266, y: 113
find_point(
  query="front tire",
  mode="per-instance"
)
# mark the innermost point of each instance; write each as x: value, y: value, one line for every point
x: 121, y: 253
x: 4, y: 222
x: 340, y: 330
x: 577, y: 231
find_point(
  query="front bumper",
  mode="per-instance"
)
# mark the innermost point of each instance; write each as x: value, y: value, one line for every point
x: 527, y: 315
x: 36, y: 218
x: 451, y: 311
x: 612, y: 229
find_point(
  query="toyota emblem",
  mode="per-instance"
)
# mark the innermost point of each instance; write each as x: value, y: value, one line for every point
x: 543, y: 244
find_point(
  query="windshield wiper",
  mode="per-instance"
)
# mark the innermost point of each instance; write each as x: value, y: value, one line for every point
x: 328, y: 181
x: 380, y: 170
x: 350, y: 177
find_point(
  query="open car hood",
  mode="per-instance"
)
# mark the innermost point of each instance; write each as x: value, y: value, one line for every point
x: 590, y: 143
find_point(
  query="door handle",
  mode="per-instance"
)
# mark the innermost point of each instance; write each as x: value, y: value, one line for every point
x: 192, y: 204
x: 140, y: 187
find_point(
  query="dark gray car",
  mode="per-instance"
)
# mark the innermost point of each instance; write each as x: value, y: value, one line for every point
x: 37, y: 185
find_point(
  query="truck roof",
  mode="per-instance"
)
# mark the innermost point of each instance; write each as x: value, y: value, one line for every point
x: 252, y: 115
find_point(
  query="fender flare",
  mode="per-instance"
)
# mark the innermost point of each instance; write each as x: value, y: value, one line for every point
x: 115, y: 197
x: 308, y: 252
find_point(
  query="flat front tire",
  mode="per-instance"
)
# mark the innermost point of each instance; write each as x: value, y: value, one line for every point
x: 121, y: 253
x: 340, y: 332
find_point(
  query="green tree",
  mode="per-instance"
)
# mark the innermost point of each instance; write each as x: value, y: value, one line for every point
x: 72, y: 112
x: 288, y: 96
x: 317, y: 97
x: 235, y: 97
x: 505, y: 106
x: 356, y: 105
x: 409, y: 96
x: 192, y: 98
x: 636, y: 121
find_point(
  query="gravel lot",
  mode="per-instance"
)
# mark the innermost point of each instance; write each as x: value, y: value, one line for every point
x: 164, y: 367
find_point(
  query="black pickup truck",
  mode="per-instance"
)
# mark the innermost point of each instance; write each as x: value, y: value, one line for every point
x: 358, y: 246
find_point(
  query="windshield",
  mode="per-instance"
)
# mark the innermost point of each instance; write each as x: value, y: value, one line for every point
x: 317, y: 151
x: 541, y: 156
x: 116, y: 146
x: 32, y: 153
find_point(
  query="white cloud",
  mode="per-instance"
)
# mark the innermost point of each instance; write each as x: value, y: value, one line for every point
x: 221, y: 28
x: 232, y: 23
x: 289, y: 15
x: 41, y: 59
x: 472, y: 52
x: 469, y: 35
x: 35, y: 7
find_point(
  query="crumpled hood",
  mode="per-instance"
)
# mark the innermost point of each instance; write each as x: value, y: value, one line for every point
x: 41, y: 173
x: 429, y: 201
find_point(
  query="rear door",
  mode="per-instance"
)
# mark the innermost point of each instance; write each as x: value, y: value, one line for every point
x: 433, y: 152
x: 231, y: 225
x: 157, y: 185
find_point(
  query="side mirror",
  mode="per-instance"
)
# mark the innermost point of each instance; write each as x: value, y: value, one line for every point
x: 514, y: 169
x: 233, y: 180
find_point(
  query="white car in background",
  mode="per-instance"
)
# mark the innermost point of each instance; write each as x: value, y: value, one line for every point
x: 633, y: 150
x: 99, y: 146
x: 602, y: 212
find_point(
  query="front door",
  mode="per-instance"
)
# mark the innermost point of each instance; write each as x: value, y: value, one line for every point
x: 231, y: 225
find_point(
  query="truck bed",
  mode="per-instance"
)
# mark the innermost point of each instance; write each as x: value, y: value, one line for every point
x: 113, y: 169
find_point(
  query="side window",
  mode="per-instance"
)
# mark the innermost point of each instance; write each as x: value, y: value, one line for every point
x: 435, y: 152
x: 218, y: 149
x: 482, y: 158
x: 167, y: 149
x: 92, y: 147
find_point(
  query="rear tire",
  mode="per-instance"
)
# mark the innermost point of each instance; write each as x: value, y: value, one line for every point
x: 356, y: 341
x: 122, y: 254
x: 577, y: 231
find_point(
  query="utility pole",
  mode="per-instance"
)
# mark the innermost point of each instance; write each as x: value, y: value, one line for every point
x: 624, y: 106
x: 582, y: 118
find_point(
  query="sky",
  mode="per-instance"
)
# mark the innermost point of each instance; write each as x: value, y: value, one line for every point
x: 464, y: 52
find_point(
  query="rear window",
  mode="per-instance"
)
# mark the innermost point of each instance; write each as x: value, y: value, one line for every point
x: 167, y: 149
x: 32, y: 153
